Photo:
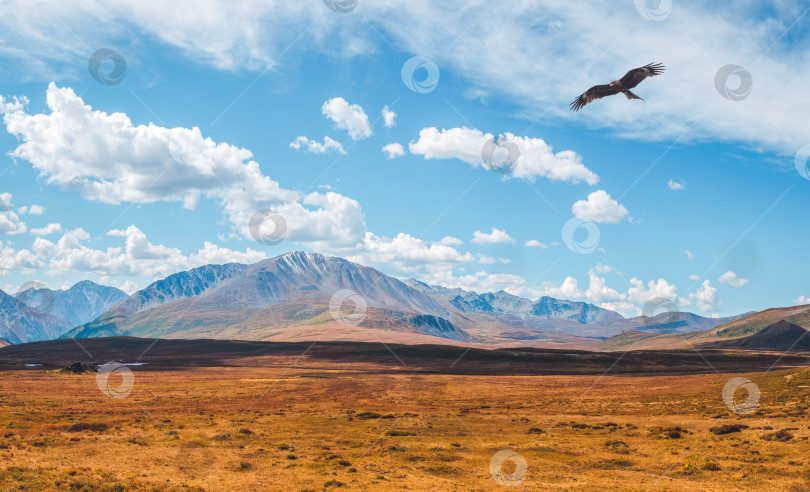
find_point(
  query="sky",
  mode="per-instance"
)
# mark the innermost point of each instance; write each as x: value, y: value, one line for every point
x: 430, y: 140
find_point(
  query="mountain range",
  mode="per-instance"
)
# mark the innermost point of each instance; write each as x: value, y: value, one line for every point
x: 288, y: 298
x: 296, y: 297
x: 43, y: 314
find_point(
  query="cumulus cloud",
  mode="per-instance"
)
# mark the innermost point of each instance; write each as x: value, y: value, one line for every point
x: 108, y: 159
x: 497, y: 236
x: 705, y: 297
x: 534, y: 243
x: 598, y: 291
x: 689, y: 254
x: 639, y: 294
x: 349, y: 117
x: 568, y: 289
x: 478, y: 282
x: 801, y: 300
x: 389, y: 117
x: 731, y: 278
x: 394, y: 150
x: 537, y: 158
x: 52, y: 228
x: 10, y: 222
x: 600, y: 208
x: 676, y: 185
x: 317, y: 147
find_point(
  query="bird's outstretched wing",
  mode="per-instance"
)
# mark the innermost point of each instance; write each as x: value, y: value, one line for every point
x: 636, y: 75
x: 595, y: 92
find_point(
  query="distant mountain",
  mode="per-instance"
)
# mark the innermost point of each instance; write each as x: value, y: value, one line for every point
x: 260, y: 301
x: 84, y: 302
x: 288, y: 297
x: 42, y: 314
x: 19, y: 323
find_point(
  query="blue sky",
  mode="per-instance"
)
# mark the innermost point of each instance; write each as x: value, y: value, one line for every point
x: 695, y: 196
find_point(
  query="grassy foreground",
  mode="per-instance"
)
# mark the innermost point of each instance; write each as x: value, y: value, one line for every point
x: 253, y: 428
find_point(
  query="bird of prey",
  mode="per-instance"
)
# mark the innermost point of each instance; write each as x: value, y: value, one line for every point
x: 624, y: 84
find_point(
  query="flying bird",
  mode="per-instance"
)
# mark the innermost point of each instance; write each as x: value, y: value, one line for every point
x: 623, y: 85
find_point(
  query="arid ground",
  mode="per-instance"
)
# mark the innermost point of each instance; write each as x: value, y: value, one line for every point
x: 286, y: 421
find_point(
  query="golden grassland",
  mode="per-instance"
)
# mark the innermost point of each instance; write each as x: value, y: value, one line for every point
x: 254, y: 428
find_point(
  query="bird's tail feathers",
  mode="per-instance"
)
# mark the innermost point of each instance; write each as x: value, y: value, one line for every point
x: 630, y: 95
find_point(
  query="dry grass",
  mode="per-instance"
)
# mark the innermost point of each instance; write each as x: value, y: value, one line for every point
x: 249, y: 428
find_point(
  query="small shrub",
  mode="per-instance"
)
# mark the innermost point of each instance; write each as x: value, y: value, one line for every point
x: 727, y: 429
x: 396, y: 433
x: 88, y: 426
x: 367, y: 415
x: 781, y: 436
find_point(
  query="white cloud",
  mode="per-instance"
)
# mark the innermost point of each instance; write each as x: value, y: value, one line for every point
x: 108, y: 159
x: 694, y: 277
x: 676, y: 186
x: 600, y: 268
x: 600, y: 208
x: 389, y: 117
x: 801, y: 300
x: 349, y: 117
x: 731, y: 278
x: 478, y: 282
x: 49, y: 229
x: 638, y: 294
x: 705, y: 297
x: 624, y: 308
x: 598, y: 291
x: 568, y: 289
x: 33, y: 210
x: 486, y: 259
x: 533, y: 243
x: 394, y: 150
x: 689, y: 254
x: 497, y: 236
x: 13, y: 104
x: 451, y: 241
x: 407, y: 253
x: 317, y: 147
x: 138, y: 257
x: 10, y: 223
x: 506, y: 58
x: 537, y: 158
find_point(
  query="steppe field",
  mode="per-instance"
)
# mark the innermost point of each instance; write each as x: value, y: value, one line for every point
x: 302, y: 422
